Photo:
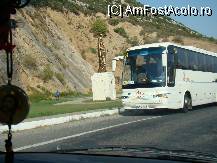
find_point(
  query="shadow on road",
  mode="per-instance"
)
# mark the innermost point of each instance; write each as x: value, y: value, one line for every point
x: 155, y: 112
x: 161, y: 112
x: 205, y: 106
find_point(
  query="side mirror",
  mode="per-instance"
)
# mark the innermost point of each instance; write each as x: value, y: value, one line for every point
x: 113, y: 65
x: 164, y: 59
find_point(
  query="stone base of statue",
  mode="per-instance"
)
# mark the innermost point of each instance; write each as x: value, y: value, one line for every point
x: 103, y: 86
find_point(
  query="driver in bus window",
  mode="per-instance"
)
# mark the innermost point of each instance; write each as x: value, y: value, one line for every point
x: 141, y: 74
x: 141, y: 63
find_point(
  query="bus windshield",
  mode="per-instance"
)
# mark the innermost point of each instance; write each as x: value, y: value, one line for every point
x: 143, y: 69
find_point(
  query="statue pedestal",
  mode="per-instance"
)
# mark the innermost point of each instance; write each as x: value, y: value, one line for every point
x: 103, y: 86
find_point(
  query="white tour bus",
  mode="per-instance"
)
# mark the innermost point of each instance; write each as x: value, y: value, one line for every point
x: 167, y: 75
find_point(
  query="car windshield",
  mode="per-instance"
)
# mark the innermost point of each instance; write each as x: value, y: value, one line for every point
x: 102, y: 75
x: 143, y: 68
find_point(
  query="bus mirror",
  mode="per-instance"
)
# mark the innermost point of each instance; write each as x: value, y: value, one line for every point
x: 164, y: 59
x: 113, y: 65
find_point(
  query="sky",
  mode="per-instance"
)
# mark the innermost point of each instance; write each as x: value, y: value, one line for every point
x: 207, y: 25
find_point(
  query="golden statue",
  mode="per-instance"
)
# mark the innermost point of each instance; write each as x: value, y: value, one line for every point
x: 101, y: 55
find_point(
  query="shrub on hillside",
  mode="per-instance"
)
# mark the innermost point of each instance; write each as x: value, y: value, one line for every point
x: 122, y: 53
x: 58, y: 5
x: 60, y: 77
x: 149, y: 40
x: 93, y: 50
x: 47, y: 74
x: 113, y: 22
x: 121, y: 31
x: 133, y: 41
x: 36, y: 95
x: 99, y: 27
x: 29, y: 62
x: 178, y: 39
x: 212, y: 39
x: 83, y: 55
x: 165, y: 39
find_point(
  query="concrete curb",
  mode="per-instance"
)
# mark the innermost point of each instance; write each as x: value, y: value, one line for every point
x: 59, y: 120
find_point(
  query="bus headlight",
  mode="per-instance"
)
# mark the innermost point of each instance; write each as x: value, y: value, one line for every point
x: 124, y: 97
x: 162, y: 95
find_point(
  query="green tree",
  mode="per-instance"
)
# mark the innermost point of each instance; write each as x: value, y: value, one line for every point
x: 99, y: 27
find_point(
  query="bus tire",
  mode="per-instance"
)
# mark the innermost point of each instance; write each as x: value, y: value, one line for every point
x: 187, y: 104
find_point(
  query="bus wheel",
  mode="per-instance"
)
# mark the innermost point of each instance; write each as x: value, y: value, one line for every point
x: 187, y: 104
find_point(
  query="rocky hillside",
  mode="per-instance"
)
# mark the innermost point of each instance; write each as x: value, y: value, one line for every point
x: 56, y: 43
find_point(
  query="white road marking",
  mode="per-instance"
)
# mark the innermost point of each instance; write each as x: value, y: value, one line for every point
x: 80, y: 134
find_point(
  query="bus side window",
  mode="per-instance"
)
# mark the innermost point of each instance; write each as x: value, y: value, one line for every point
x: 171, y: 57
x: 209, y: 63
x: 215, y: 65
x: 182, y: 62
x: 193, y: 59
x: 212, y: 64
x: 196, y: 65
x: 201, y: 62
x: 204, y: 63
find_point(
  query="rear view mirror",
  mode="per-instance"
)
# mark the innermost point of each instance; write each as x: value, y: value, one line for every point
x: 114, y: 62
x: 164, y: 59
x: 113, y: 65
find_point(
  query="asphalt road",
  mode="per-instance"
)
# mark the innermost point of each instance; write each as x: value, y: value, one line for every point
x: 195, y: 131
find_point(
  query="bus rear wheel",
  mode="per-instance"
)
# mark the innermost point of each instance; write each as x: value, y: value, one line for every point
x: 187, y: 104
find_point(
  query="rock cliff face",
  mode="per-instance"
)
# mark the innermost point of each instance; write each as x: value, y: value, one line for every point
x: 45, y: 57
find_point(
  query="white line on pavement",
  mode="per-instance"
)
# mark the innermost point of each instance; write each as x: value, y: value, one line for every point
x: 80, y: 134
